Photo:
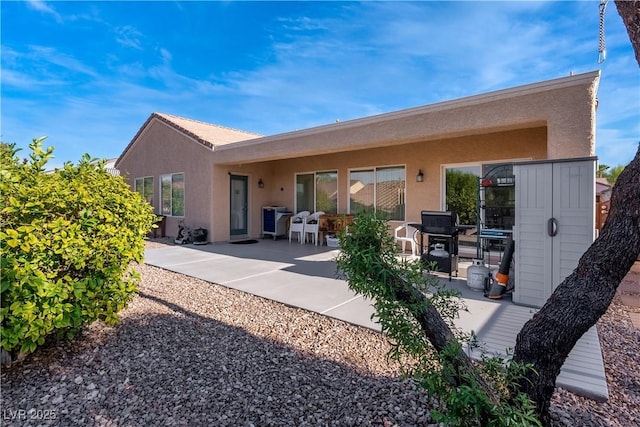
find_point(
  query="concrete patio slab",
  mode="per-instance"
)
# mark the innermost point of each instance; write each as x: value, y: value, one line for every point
x: 314, y: 293
x: 357, y: 307
x: 305, y: 276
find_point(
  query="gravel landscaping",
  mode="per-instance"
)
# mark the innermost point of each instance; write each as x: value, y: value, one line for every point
x: 191, y: 353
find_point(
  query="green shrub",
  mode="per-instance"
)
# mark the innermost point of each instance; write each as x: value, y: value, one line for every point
x: 67, y: 242
x: 462, y: 194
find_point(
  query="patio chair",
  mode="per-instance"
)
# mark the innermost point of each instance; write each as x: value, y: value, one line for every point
x: 312, y: 226
x: 296, y: 225
x: 408, y: 235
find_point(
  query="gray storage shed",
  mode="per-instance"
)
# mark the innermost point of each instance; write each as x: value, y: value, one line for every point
x: 554, y: 224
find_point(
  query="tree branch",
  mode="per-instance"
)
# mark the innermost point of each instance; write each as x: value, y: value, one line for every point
x: 629, y: 11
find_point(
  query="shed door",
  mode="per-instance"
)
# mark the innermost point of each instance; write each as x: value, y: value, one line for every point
x: 574, y: 209
x: 532, y: 244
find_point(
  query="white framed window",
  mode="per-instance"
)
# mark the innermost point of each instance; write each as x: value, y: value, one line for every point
x: 378, y: 189
x: 144, y: 186
x: 317, y: 191
x: 172, y: 194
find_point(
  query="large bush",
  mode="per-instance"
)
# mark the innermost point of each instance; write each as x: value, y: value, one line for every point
x: 67, y: 242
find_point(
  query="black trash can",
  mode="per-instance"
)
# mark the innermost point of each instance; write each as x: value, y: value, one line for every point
x: 199, y: 236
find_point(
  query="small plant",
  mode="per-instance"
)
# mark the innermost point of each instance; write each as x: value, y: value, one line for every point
x: 67, y: 240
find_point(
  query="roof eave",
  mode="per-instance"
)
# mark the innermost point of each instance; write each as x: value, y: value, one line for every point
x: 243, y: 147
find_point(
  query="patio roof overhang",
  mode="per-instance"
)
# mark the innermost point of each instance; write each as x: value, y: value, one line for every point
x: 566, y: 106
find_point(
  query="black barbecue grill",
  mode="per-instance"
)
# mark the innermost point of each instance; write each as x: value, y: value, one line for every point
x: 439, y: 227
x: 438, y: 222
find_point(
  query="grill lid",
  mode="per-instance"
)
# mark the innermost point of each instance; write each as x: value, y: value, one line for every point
x: 439, y: 222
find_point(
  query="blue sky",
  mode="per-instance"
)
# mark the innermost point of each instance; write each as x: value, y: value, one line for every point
x: 88, y: 74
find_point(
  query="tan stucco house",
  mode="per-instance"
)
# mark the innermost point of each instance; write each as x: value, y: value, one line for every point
x: 220, y: 179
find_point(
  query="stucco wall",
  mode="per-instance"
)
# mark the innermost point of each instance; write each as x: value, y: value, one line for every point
x: 428, y: 156
x: 207, y: 187
x: 566, y: 106
x: 161, y: 150
x: 548, y: 120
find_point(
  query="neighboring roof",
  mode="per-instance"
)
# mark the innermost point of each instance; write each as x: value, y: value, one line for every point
x: 208, y: 134
x: 110, y: 166
x: 602, y: 185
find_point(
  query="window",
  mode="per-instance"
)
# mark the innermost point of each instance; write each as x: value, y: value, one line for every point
x: 144, y: 186
x: 172, y: 194
x: 361, y: 191
x: 305, y: 193
x: 378, y: 189
x: 461, y: 193
x: 317, y: 192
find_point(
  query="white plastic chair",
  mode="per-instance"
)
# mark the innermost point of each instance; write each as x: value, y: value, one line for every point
x: 312, y: 226
x: 296, y: 225
x: 408, y: 235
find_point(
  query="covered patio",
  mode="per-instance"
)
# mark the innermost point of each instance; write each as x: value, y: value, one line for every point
x: 305, y: 276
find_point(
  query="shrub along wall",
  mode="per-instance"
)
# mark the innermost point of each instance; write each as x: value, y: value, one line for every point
x: 67, y: 242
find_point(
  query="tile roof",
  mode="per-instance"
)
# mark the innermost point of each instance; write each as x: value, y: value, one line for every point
x: 208, y: 134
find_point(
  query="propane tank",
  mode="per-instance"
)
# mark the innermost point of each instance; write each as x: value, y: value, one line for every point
x: 439, y: 251
x: 477, y: 274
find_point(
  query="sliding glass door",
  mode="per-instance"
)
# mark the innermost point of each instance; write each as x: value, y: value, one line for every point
x: 317, y: 191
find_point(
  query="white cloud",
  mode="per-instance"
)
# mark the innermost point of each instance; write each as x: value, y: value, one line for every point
x: 616, y: 148
x: 128, y: 36
x: 401, y: 56
x: 302, y: 23
x: 43, y: 57
x: 166, y: 56
x: 43, y: 7
x: 41, y: 68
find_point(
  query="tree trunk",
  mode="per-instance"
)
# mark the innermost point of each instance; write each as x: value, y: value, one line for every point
x: 582, y: 298
x: 629, y: 11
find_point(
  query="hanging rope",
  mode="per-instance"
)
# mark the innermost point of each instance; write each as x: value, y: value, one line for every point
x: 602, y: 50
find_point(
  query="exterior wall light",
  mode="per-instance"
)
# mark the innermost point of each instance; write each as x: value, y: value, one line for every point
x: 420, y: 176
x: 260, y: 183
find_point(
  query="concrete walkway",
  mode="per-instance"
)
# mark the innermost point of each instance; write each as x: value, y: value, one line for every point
x: 305, y: 276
